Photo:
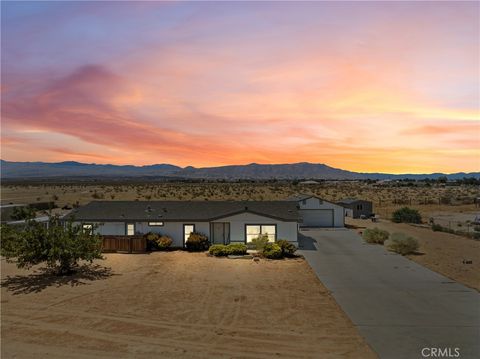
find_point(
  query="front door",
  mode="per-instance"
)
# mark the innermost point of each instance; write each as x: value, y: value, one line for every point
x: 220, y: 233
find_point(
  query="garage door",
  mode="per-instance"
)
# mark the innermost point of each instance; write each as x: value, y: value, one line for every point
x: 317, y: 218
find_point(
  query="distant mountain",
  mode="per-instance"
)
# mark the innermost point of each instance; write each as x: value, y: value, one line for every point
x: 32, y: 170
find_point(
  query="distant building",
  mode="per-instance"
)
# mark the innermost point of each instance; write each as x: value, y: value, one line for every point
x: 309, y: 182
x: 356, y: 207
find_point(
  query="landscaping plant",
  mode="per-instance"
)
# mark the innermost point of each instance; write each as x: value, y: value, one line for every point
x: 220, y: 250
x: 401, y: 244
x: 197, y: 242
x: 260, y: 242
x: 375, y: 235
x: 59, y: 245
x: 272, y: 251
x: 288, y: 249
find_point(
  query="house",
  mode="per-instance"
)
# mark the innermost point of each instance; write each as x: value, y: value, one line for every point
x: 355, y: 208
x: 222, y: 221
x: 317, y: 212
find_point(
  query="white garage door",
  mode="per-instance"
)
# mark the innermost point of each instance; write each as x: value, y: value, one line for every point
x: 317, y: 217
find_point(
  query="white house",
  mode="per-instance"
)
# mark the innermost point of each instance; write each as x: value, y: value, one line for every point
x: 317, y: 212
x: 222, y: 221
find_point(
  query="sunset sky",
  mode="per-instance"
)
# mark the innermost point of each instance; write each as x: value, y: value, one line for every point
x: 387, y: 87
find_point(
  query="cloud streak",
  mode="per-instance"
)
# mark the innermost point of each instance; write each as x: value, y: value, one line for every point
x: 210, y: 84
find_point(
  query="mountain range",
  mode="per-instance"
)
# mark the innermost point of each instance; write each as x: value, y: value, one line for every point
x: 301, y: 170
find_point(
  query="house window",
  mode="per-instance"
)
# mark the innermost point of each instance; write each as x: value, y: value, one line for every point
x: 130, y: 229
x: 87, y: 227
x: 254, y: 230
x: 304, y: 202
x: 359, y: 207
x: 187, y: 230
x: 155, y: 224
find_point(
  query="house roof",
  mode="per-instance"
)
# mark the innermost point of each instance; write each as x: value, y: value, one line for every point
x: 181, y: 210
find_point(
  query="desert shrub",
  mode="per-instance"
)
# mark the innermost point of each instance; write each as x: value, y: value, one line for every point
x: 197, y: 242
x: 272, y: 251
x: 236, y: 249
x: 402, y: 244
x: 151, y: 240
x: 260, y: 242
x: 288, y: 249
x: 218, y: 250
x: 164, y: 242
x: 436, y: 227
x: 476, y: 228
x: 406, y: 215
x: 375, y: 235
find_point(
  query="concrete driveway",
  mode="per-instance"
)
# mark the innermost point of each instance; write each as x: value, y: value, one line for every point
x: 399, y: 306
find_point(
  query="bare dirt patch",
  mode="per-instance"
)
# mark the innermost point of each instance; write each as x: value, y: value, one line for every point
x: 172, y: 305
x: 445, y: 253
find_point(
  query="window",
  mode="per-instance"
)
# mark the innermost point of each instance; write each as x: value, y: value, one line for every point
x: 187, y: 229
x: 155, y: 224
x: 304, y: 202
x: 254, y: 230
x: 130, y: 229
x: 87, y: 227
x: 359, y: 207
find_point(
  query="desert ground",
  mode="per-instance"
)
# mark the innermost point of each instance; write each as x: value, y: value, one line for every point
x: 445, y: 253
x: 175, y: 304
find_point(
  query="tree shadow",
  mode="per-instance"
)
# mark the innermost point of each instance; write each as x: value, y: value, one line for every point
x: 43, y: 278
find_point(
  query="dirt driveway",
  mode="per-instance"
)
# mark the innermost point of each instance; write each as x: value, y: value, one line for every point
x: 175, y: 305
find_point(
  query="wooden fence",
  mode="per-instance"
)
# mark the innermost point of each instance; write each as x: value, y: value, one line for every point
x: 124, y: 244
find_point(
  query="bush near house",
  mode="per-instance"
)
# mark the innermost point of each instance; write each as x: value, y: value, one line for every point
x: 272, y: 251
x: 164, y: 242
x: 406, y: 215
x: 375, y: 235
x: 197, y: 242
x: 220, y: 250
x: 401, y: 244
x: 236, y: 249
x: 288, y: 249
x: 259, y: 242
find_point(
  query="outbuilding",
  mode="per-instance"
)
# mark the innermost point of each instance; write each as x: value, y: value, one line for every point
x: 355, y: 208
x: 317, y: 212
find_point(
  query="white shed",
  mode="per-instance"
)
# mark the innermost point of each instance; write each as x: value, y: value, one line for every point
x: 317, y: 212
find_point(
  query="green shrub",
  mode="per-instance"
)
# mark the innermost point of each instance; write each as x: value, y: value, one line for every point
x: 402, y: 244
x: 151, y: 240
x: 437, y: 228
x: 236, y: 249
x: 406, y: 215
x: 375, y: 235
x: 288, y: 249
x: 272, y: 251
x: 218, y: 250
x: 164, y: 242
x: 197, y: 242
x: 260, y: 242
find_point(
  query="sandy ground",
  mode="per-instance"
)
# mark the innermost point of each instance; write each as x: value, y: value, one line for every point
x: 174, y: 305
x: 441, y: 252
